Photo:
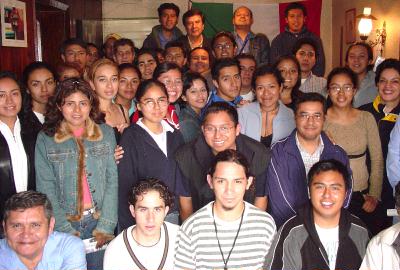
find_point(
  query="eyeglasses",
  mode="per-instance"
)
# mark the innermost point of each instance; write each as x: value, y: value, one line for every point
x: 222, y: 129
x: 151, y: 103
x: 169, y: 82
x: 306, y: 116
x: 347, y: 88
x: 223, y: 46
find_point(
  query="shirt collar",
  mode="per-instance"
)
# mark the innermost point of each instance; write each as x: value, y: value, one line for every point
x: 17, y: 126
x: 320, y: 145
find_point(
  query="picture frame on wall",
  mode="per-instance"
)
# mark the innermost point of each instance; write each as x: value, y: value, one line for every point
x: 13, y: 23
x: 350, y: 25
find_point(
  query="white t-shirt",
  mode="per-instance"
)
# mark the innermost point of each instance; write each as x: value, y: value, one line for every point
x: 250, y: 96
x: 160, y: 139
x: 117, y: 256
x: 330, y: 240
x: 40, y: 117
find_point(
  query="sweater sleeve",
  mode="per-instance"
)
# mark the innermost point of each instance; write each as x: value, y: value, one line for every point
x: 393, y: 158
x: 375, y: 151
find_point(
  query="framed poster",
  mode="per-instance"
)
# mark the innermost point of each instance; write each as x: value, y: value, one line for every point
x: 350, y: 26
x: 13, y: 23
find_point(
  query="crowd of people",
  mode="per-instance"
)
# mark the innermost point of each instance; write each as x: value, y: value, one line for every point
x: 197, y: 153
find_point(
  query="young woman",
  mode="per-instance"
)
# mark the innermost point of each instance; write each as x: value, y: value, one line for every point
x: 76, y: 167
x: 39, y: 80
x: 129, y: 79
x: 266, y: 120
x: 290, y: 71
x: 146, y: 61
x: 66, y: 71
x: 17, y: 145
x: 103, y: 76
x: 356, y: 132
x: 194, y: 94
x: 153, y: 150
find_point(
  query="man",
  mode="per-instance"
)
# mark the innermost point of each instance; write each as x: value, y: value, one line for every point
x: 295, y: 17
x: 323, y: 235
x: 175, y: 53
x: 166, y: 31
x: 30, y: 242
x: 293, y: 157
x: 92, y: 54
x: 220, y: 131
x: 305, y: 51
x: 226, y: 79
x: 227, y: 233
x: 150, y: 243
x: 383, y: 250
x: 199, y: 60
x: 193, y: 20
x: 223, y: 45
x: 247, y: 64
x: 124, y: 51
x: 108, y: 46
x: 248, y: 42
x: 73, y: 51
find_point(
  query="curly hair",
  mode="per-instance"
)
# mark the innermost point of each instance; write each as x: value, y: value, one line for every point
x: 150, y: 184
x: 54, y: 116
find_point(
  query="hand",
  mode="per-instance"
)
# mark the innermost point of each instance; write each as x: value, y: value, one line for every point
x: 369, y: 204
x: 118, y: 153
x: 102, y: 238
x: 121, y: 127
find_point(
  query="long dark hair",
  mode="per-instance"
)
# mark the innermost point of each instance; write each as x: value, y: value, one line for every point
x: 296, y: 88
x: 54, y: 116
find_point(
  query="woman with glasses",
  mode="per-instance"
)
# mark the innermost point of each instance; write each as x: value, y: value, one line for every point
x: 267, y: 119
x: 357, y: 133
x: 76, y: 167
x: 149, y: 150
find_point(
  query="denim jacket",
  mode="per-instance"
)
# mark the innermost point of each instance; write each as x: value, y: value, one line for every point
x: 60, y: 165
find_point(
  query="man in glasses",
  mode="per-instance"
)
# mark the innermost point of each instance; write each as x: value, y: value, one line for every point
x: 223, y: 45
x: 293, y: 157
x: 220, y: 131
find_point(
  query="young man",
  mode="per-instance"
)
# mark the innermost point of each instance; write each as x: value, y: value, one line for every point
x: 305, y: 51
x: 175, y: 53
x: 293, y: 157
x: 247, y: 65
x: 124, y: 51
x: 73, y: 51
x: 295, y: 16
x: 193, y: 20
x: 359, y: 58
x: 30, y: 242
x: 223, y: 45
x: 150, y: 243
x: 323, y: 235
x: 200, y: 61
x: 248, y: 42
x: 108, y: 46
x: 166, y: 31
x: 220, y: 131
x: 227, y: 233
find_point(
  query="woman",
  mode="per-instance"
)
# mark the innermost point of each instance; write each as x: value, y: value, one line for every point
x: 194, y: 94
x: 17, y: 145
x: 39, y: 80
x: 129, y: 79
x: 66, y: 71
x: 356, y: 132
x: 146, y: 61
x: 386, y: 108
x: 289, y: 68
x: 76, y: 167
x: 266, y: 120
x: 103, y: 76
x: 153, y: 150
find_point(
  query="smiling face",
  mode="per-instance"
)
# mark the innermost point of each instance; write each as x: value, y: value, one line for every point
x: 172, y: 79
x: 194, y: 26
x: 327, y: 194
x: 10, y: 100
x: 289, y: 72
x: 389, y: 85
x: 309, y: 129
x: 105, y: 82
x: 295, y: 20
x: 26, y: 232
x: 223, y: 48
x: 199, y: 61
x: 267, y: 91
x: 76, y: 110
x: 146, y: 64
x: 153, y: 105
x: 168, y: 19
x: 196, y: 96
x: 229, y: 83
x: 41, y: 86
x: 358, y: 59
x: 344, y: 97
x: 128, y: 84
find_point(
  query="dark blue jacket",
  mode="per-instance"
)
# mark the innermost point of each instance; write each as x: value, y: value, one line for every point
x: 286, y: 187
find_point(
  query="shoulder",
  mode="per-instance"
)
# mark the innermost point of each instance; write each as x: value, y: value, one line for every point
x: 367, y: 107
x: 185, y: 151
x: 260, y: 217
x: 250, y: 144
x: 367, y: 116
x: 252, y: 108
x: 280, y: 145
x: 196, y: 220
x: 66, y: 242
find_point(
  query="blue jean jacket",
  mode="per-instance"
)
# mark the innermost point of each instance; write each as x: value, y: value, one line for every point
x: 60, y: 168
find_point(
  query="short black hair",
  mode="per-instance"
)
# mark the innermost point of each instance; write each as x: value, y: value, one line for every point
x: 11, y: 75
x: 175, y: 44
x: 210, y: 58
x: 390, y: 63
x: 295, y: 5
x: 223, y: 63
x: 146, y: 51
x: 330, y: 165
x: 123, y: 42
x: 70, y: 42
x: 223, y: 34
x: 266, y: 70
x: 165, y: 67
x: 190, y: 13
x: 125, y: 66
x: 309, y: 41
x: 188, y: 79
x: 145, y: 85
x: 246, y: 56
x: 165, y: 6
x: 230, y: 155
x: 217, y: 107
x: 310, y: 97
x: 150, y: 184
x: 342, y: 70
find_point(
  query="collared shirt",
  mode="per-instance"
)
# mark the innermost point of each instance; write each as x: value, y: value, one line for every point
x: 160, y: 139
x: 310, y: 159
x: 245, y: 42
x: 19, y: 160
x: 62, y: 251
x: 314, y: 84
x: 40, y: 117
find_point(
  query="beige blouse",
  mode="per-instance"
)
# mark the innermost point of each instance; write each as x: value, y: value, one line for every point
x: 356, y: 138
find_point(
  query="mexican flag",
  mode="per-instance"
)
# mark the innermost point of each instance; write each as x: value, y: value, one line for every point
x: 269, y: 19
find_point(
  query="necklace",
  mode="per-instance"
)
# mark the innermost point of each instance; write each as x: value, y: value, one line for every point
x: 192, y: 44
x: 234, y: 241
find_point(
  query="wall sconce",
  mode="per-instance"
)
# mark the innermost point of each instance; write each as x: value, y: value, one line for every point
x: 365, y: 24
